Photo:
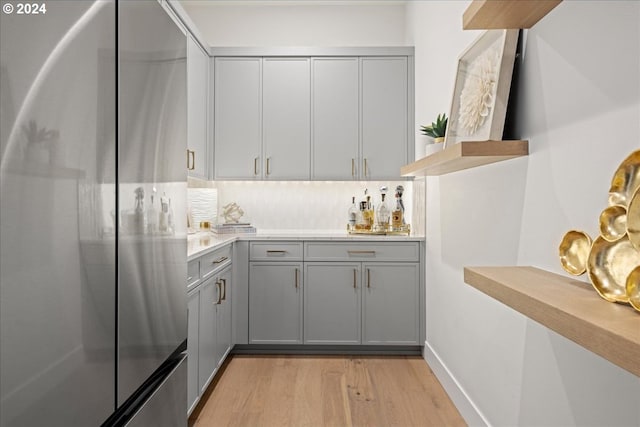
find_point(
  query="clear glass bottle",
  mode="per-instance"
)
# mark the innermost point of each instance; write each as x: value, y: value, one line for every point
x: 397, y: 216
x: 152, y: 218
x: 352, y: 214
x: 383, y: 214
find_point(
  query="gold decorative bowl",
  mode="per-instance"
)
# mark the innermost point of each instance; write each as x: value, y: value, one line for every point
x: 626, y: 180
x: 574, y: 251
x: 609, y: 265
x: 633, y: 288
x: 613, y: 223
x: 633, y: 220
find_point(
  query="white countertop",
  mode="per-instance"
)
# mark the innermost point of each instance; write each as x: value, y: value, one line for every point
x: 204, y: 242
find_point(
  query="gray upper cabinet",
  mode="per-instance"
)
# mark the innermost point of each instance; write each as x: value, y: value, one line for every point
x: 197, y: 101
x: 324, y: 117
x: 286, y: 118
x: 335, y: 112
x: 238, y: 118
x: 384, y: 121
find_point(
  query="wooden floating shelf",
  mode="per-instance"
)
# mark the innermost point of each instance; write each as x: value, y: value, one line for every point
x: 567, y: 306
x: 465, y: 155
x: 505, y: 14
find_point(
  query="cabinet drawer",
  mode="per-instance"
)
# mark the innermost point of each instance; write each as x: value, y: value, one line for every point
x: 214, y: 261
x: 275, y: 251
x: 362, y: 251
x: 193, y: 273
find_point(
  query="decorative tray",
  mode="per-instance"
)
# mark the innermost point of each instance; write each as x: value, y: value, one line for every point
x: 404, y: 230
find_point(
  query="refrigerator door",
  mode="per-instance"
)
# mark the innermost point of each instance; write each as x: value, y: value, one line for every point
x: 152, y: 244
x: 57, y: 244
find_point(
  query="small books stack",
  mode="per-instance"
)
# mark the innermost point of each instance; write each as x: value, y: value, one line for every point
x: 234, y: 228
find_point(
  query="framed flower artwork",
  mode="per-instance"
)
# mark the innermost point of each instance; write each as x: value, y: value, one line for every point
x: 481, y: 89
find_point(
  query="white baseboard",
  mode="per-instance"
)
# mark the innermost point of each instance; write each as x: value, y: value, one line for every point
x: 465, y: 405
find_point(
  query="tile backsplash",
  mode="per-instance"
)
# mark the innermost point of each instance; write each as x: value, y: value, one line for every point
x: 307, y: 205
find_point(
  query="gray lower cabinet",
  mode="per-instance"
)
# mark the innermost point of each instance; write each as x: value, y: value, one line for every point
x: 209, y: 331
x: 223, y: 317
x: 210, y: 294
x: 275, y: 302
x: 193, y: 342
x: 390, y: 307
x: 332, y: 301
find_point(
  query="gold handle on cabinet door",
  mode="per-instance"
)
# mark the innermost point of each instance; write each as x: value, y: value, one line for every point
x: 188, y: 167
x: 224, y: 289
x: 353, y: 167
x: 219, y: 286
x: 368, y: 278
x: 355, y: 271
x: 268, y: 165
x: 193, y: 160
x: 297, y: 278
x: 255, y: 166
x: 366, y: 168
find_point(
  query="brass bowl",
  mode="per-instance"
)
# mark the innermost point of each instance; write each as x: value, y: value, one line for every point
x: 609, y: 265
x: 633, y: 288
x: 574, y: 251
x: 626, y: 180
x: 613, y: 223
x: 633, y: 220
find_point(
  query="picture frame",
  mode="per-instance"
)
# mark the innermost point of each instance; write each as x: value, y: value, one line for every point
x: 481, y: 89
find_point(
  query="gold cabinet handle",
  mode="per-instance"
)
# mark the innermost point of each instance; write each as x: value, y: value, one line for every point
x: 353, y: 167
x: 219, y: 286
x: 368, y: 278
x: 271, y: 252
x: 193, y: 160
x: 354, y: 278
x: 188, y: 152
x: 366, y: 168
x: 268, y: 165
x: 224, y: 289
x: 354, y: 252
x: 189, y: 278
x: 297, y: 278
x: 219, y: 260
x: 255, y: 166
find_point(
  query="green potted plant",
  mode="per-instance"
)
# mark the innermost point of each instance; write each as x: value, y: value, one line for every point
x: 437, y: 129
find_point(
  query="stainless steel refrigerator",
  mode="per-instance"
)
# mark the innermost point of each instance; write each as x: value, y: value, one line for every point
x: 93, y: 313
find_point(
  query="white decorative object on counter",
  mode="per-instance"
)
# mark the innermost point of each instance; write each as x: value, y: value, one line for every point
x: 232, y: 213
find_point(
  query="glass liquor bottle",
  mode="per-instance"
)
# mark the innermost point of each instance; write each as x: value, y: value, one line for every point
x: 368, y: 214
x: 397, y: 216
x: 383, y: 213
x: 352, y: 215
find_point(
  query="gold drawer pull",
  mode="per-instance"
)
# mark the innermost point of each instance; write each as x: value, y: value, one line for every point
x: 219, y: 260
x: 361, y: 252
x: 274, y: 252
x: 189, y: 278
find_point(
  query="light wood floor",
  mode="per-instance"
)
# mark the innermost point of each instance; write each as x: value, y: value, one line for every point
x: 326, y: 391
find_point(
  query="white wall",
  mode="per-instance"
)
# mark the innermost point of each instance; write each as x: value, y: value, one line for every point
x: 298, y: 23
x: 579, y: 106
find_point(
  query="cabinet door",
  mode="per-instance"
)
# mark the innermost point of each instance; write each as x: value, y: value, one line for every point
x: 332, y: 303
x: 207, y: 361
x: 286, y: 127
x: 197, y: 90
x: 384, y: 117
x: 335, y: 118
x: 275, y: 303
x: 223, y: 322
x: 390, y: 312
x: 193, y: 391
x: 238, y: 118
